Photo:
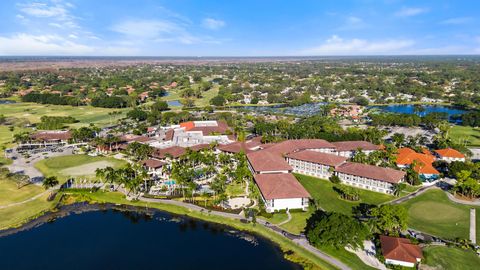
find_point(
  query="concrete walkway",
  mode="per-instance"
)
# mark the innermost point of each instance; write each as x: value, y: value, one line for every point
x: 456, y: 200
x: 289, y: 217
x: 473, y: 235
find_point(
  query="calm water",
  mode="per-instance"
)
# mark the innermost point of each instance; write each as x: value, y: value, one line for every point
x: 410, y: 109
x: 7, y: 101
x: 174, y: 103
x: 111, y: 239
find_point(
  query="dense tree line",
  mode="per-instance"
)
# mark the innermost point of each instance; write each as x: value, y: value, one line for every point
x: 109, y: 102
x: 54, y: 99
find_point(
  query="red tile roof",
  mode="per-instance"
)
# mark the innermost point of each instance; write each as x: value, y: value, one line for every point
x: 153, y: 163
x: 58, y: 135
x: 400, y: 249
x: 449, y: 153
x: 265, y: 160
x: 174, y: 151
x: 237, y: 147
x: 220, y: 128
x: 290, y: 146
x: 372, y: 172
x: 317, y: 157
x: 354, y: 145
x: 407, y: 156
x: 169, y: 134
x: 280, y: 186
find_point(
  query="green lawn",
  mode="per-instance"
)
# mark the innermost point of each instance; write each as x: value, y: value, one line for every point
x: 465, y: 135
x: 85, y: 114
x: 9, y: 193
x: 432, y: 212
x: 450, y: 258
x: 75, y: 165
x: 235, y: 189
x: 17, y: 215
x: 328, y: 199
x: 322, y: 191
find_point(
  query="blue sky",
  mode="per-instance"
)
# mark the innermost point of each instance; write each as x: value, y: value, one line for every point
x: 238, y: 27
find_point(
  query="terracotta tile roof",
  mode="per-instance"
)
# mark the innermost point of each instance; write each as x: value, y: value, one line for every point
x: 174, y: 151
x: 220, y: 128
x: 400, y: 249
x: 373, y: 172
x: 265, y: 160
x: 449, y: 152
x: 57, y: 135
x: 237, y: 147
x: 280, y: 186
x: 290, y: 146
x: 354, y: 145
x: 199, y: 147
x: 187, y: 125
x: 425, y: 169
x: 169, y: 134
x: 134, y: 138
x: 317, y: 157
x: 153, y: 163
x: 407, y: 156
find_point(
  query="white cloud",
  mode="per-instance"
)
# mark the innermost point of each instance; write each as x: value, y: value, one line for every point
x: 212, y: 24
x: 160, y: 31
x: 353, y: 23
x: 26, y: 44
x: 411, y: 11
x: 147, y: 29
x: 56, y: 12
x: 338, y: 46
x: 457, y: 21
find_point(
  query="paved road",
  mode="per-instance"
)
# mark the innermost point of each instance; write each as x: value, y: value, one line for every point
x: 473, y: 235
x: 411, y: 195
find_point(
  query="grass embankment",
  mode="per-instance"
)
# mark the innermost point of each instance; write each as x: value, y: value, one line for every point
x: 432, y: 212
x: 84, y: 114
x: 293, y: 252
x: 9, y: 193
x: 17, y: 215
x: 75, y: 165
x: 465, y: 135
x: 450, y: 258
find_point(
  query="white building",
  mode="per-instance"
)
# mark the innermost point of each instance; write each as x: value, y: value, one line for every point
x: 350, y: 148
x: 313, y: 163
x: 400, y: 251
x: 449, y: 155
x: 281, y: 191
x: 369, y: 177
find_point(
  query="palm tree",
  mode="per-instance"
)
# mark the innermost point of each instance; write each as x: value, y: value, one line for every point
x: 49, y: 182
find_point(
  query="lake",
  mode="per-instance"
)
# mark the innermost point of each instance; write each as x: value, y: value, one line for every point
x: 114, y: 239
x: 174, y: 103
x: 410, y: 109
x: 7, y: 101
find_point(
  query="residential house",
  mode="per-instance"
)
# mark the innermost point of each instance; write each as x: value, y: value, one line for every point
x: 400, y: 251
x: 449, y: 155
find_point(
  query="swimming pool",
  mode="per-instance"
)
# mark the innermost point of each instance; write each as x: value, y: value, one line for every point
x: 169, y: 182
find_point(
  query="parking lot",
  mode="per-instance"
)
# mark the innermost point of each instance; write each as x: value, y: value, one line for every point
x: 23, y: 161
